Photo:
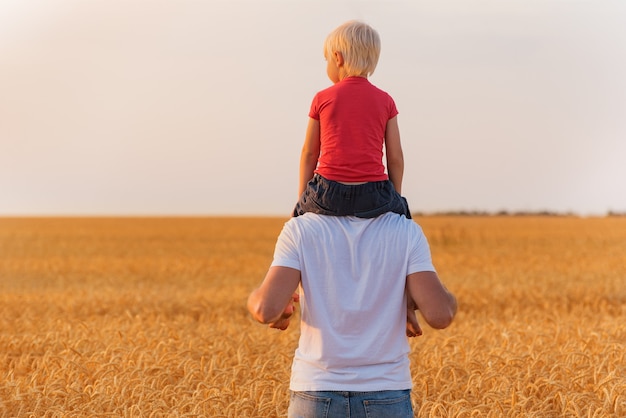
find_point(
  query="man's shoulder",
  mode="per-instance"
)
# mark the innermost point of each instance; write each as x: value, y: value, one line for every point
x: 310, y: 230
x: 387, y: 221
x: 394, y: 220
x: 316, y: 222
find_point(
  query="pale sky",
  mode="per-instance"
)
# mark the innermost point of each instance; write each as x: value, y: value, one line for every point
x: 181, y: 107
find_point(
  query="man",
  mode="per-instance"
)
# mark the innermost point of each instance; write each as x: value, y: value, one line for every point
x: 352, y: 357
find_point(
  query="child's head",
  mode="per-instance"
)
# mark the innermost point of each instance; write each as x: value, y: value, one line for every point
x: 358, y: 43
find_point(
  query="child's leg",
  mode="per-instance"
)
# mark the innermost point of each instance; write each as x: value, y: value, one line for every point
x: 325, y: 197
x: 376, y: 198
x: 403, y: 207
x: 367, y: 200
x: 310, y: 199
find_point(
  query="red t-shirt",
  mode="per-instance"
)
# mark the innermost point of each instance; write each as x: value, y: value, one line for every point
x: 353, y: 116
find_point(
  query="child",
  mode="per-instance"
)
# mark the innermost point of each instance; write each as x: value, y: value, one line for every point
x: 341, y: 168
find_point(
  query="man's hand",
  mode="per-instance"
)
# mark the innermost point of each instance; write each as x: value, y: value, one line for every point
x: 283, y: 322
x: 413, y: 328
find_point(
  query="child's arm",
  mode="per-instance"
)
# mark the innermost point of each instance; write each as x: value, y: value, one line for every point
x: 310, y: 154
x: 393, y: 151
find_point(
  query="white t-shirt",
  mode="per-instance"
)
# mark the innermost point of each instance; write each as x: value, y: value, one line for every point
x: 352, y: 299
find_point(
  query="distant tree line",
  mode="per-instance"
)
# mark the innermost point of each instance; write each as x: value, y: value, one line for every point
x: 506, y: 213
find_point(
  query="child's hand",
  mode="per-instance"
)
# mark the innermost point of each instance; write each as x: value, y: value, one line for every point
x: 283, y: 322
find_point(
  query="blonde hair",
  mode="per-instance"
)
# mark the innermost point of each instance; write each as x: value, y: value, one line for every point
x: 358, y: 43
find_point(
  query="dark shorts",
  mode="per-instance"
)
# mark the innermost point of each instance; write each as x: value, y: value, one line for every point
x: 368, y: 200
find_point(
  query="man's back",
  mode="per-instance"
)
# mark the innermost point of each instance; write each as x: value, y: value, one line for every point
x: 352, y: 358
x: 353, y: 276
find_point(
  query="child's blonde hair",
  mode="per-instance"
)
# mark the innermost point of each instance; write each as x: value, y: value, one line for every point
x: 358, y: 43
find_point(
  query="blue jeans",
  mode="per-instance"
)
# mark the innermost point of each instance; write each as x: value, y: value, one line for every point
x: 383, y: 404
x: 368, y: 200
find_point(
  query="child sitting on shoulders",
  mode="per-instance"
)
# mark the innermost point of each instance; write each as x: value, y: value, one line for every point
x: 341, y: 165
x: 341, y: 168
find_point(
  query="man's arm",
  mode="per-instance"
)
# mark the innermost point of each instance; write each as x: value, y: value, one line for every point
x: 272, y: 302
x: 437, y: 305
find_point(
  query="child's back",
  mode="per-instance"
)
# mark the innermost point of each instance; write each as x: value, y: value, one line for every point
x: 353, y: 116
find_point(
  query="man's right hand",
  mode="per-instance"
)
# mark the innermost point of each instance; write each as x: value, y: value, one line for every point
x: 413, y: 328
x: 283, y: 322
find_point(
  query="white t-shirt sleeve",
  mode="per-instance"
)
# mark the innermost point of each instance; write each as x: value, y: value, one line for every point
x: 286, y: 253
x: 419, y: 256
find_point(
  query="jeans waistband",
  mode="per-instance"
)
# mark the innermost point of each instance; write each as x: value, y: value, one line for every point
x: 352, y: 189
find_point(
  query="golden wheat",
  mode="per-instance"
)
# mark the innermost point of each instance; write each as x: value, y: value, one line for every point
x: 145, y: 317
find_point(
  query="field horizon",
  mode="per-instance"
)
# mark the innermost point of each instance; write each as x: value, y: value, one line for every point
x: 144, y: 316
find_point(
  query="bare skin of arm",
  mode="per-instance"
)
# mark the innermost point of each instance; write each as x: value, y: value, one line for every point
x: 413, y: 328
x: 393, y: 151
x: 310, y: 154
x: 273, y: 302
x: 437, y: 305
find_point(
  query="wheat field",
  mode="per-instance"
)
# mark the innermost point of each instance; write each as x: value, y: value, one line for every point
x: 146, y: 317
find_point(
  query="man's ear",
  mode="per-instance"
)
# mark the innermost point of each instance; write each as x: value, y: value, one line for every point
x: 338, y: 57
